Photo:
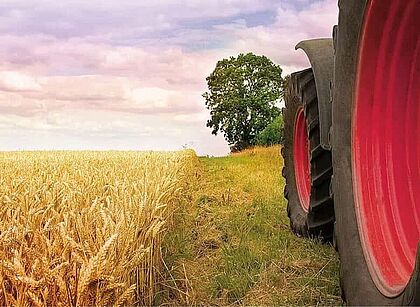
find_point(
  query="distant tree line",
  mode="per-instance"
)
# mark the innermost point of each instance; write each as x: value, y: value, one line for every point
x: 243, y: 97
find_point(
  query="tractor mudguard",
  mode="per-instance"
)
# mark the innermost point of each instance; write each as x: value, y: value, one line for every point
x: 321, y: 56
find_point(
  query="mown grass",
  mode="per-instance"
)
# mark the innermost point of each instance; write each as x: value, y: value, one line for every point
x: 232, y: 243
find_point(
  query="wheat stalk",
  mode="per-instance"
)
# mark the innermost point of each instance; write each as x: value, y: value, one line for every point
x: 85, y: 228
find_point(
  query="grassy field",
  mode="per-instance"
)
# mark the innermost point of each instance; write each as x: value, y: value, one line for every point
x: 118, y: 228
x: 232, y: 243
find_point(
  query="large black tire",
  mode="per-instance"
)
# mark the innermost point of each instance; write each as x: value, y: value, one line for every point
x: 319, y: 220
x: 357, y: 285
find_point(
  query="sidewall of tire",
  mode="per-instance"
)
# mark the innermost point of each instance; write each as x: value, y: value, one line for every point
x: 357, y: 285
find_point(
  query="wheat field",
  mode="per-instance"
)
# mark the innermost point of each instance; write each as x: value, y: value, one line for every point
x: 85, y: 228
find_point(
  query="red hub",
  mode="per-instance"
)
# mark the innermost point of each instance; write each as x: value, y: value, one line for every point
x: 301, y: 160
x: 386, y: 141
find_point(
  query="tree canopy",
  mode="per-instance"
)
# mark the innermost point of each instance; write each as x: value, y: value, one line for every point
x: 272, y: 134
x: 242, y: 98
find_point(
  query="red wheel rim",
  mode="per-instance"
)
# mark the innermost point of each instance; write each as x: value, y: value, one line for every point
x: 301, y: 160
x: 386, y: 147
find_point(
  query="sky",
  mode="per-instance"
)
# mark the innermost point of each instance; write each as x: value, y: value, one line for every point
x: 129, y: 74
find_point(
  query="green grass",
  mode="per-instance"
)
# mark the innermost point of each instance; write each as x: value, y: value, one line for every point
x: 232, y: 243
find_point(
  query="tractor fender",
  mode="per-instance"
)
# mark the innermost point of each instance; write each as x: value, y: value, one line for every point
x: 321, y: 56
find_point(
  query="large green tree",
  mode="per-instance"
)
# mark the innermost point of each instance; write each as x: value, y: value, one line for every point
x: 242, y: 97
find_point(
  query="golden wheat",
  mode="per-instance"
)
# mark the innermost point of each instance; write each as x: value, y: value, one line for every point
x: 85, y: 228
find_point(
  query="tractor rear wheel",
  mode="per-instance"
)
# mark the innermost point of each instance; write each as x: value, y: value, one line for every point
x: 376, y: 151
x: 307, y: 166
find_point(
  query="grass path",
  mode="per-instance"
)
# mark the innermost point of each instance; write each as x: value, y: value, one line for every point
x: 232, y: 243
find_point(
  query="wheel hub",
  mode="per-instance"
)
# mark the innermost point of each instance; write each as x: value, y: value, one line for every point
x: 386, y: 142
x: 301, y: 160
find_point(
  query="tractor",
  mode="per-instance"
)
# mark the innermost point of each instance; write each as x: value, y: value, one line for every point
x: 352, y: 149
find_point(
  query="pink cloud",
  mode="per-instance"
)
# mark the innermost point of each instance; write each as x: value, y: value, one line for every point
x: 135, y: 74
x: 18, y: 82
x: 277, y: 41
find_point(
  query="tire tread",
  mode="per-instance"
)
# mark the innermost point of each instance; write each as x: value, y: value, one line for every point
x: 319, y: 221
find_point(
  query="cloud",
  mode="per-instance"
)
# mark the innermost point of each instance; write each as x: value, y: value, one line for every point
x: 18, y: 82
x: 278, y: 40
x: 96, y: 92
x: 67, y: 19
x: 130, y: 74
